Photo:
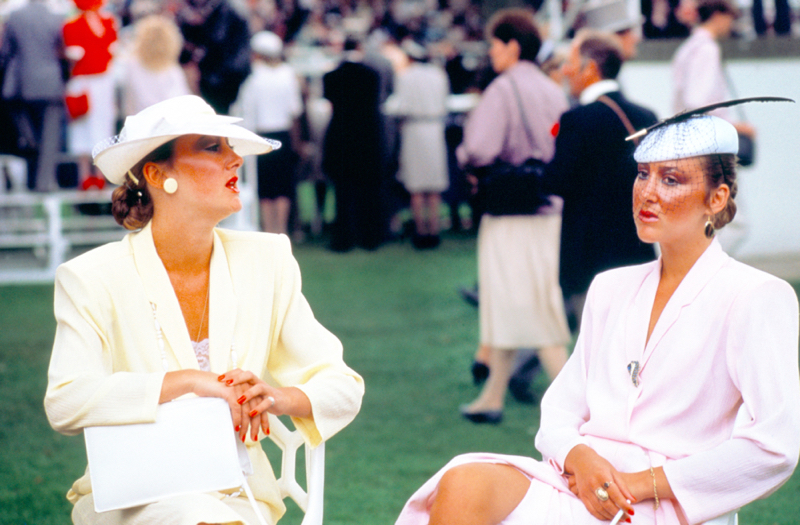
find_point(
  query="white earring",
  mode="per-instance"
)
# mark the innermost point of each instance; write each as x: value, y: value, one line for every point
x: 170, y: 185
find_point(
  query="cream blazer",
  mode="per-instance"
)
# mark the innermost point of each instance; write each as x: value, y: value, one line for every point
x: 106, y: 367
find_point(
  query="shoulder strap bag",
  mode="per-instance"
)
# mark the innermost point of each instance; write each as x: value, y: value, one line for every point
x: 621, y: 114
x: 509, y: 189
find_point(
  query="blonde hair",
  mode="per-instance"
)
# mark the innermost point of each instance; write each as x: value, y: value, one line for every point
x: 157, y: 42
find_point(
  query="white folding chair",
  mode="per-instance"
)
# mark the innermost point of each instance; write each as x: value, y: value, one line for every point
x: 731, y: 518
x: 311, y: 499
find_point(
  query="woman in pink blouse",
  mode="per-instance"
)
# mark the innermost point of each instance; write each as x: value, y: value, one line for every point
x: 681, y: 401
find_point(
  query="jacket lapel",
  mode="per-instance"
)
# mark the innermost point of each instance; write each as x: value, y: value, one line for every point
x: 222, y: 310
x: 638, y: 319
x: 159, y: 291
x: 701, y: 273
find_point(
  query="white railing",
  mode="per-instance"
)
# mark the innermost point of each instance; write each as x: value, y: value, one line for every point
x: 48, y: 224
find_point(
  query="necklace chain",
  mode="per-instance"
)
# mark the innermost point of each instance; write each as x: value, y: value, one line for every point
x: 202, y: 319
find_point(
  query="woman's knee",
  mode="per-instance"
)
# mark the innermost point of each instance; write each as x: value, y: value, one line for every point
x: 462, y: 479
x: 485, y: 491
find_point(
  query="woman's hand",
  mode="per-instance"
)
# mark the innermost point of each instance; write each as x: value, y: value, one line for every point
x: 244, y: 408
x: 588, y: 471
x: 641, y: 484
x: 206, y: 384
x: 473, y: 183
x: 261, y: 398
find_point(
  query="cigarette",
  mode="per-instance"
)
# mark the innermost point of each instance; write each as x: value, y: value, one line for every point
x: 619, y: 515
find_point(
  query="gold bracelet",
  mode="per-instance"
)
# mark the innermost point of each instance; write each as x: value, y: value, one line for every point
x: 655, y: 490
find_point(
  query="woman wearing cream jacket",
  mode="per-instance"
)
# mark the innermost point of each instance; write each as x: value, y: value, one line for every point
x: 227, y: 306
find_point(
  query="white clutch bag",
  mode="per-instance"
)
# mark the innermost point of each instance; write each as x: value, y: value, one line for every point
x: 191, y: 448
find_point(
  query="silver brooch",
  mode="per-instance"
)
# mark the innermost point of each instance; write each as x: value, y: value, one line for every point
x: 633, y: 370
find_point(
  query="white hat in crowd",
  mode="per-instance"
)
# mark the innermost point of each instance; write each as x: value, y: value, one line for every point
x: 611, y: 16
x: 167, y: 120
x: 267, y: 43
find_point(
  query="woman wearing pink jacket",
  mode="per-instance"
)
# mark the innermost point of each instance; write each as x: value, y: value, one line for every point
x: 681, y: 401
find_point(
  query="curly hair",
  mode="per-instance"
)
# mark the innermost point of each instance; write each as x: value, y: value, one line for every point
x: 131, y: 204
x: 719, y: 170
x: 157, y: 42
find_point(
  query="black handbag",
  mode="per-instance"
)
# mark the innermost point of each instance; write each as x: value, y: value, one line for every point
x: 747, y: 150
x: 508, y: 189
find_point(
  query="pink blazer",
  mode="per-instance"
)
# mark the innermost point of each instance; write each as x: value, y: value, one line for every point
x: 718, y: 396
x: 717, y: 402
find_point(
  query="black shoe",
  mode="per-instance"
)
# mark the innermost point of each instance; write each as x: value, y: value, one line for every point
x: 492, y: 417
x: 521, y: 391
x: 469, y: 295
x: 520, y: 383
x: 426, y: 242
x: 479, y: 372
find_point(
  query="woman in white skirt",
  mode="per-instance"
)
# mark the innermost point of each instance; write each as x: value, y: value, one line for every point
x: 521, y: 305
x: 420, y: 100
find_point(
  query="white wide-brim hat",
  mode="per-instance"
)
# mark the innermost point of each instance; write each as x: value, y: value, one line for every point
x: 168, y: 120
x: 695, y: 136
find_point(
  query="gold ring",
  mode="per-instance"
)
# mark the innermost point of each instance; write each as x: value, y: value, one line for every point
x: 601, y: 494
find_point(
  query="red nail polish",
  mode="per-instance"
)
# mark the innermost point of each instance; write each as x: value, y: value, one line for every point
x: 244, y: 437
x: 220, y: 378
x: 631, y: 512
x: 253, y: 413
x: 241, y: 400
x: 268, y: 431
x: 237, y: 428
x: 628, y: 520
x: 229, y: 382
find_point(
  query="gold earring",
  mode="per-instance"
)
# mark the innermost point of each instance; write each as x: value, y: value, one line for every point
x: 170, y: 185
x: 709, y: 229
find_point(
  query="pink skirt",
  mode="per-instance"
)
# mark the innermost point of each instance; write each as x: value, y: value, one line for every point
x: 547, y: 501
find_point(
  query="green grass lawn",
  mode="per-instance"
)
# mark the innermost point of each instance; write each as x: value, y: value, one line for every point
x: 404, y: 329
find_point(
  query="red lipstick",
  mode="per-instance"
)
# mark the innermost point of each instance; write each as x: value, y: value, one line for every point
x: 232, y: 184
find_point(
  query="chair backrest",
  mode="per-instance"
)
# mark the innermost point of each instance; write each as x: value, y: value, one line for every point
x: 311, y: 499
x: 732, y: 518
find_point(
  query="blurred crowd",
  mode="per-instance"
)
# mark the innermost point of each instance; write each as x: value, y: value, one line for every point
x: 393, y: 109
x: 369, y: 98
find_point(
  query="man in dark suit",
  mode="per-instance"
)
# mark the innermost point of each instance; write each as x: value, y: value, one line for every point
x: 217, y: 43
x: 593, y: 169
x: 33, y: 85
x: 351, y: 155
